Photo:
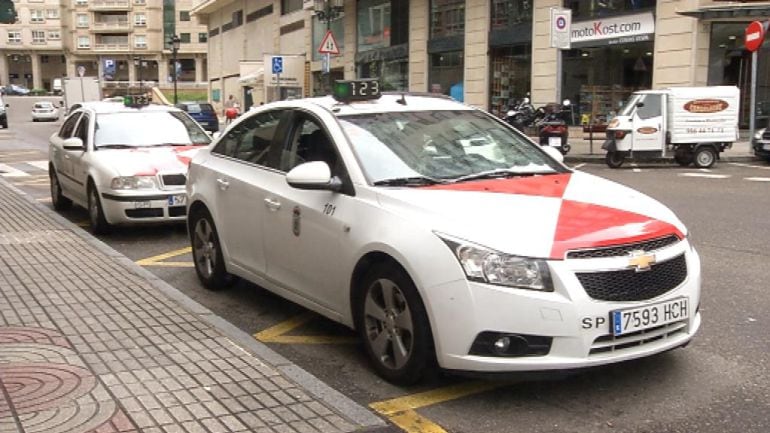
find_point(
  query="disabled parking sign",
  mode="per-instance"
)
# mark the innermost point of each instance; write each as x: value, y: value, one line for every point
x: 277, y: 65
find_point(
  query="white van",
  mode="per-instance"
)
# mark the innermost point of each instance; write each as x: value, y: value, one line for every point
x: 56, y: 86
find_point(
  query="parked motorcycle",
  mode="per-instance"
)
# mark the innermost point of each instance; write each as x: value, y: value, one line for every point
x: 522, y: 115
x: 552, y: 129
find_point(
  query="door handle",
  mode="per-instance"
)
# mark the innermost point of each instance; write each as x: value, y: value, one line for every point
x: 273, y: 205
x: 223, y: 184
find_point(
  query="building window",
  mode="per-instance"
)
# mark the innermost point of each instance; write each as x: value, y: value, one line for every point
x: 185, y: 38
x: 447, y: 18
x: 52, y: 14
x: 140, y: 41
x: 587, y: 9
x: 184, y: 15
x: 289, y: 6
x: 140, y: 20
x: 14, y: 36
x: 36, y: 16
x: 54, y: 35
x: 81, y: 2
x: 84, y: 42
x: 82, y: 20
x: 373, y: 24
x: 44, y: 59
x: 139, y: 2
x: 203, y: 38
x: 38, y: 36
x: 237, y: 18
x: 506, y: 13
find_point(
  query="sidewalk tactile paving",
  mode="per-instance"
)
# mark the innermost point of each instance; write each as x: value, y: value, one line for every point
x: 89, y: 344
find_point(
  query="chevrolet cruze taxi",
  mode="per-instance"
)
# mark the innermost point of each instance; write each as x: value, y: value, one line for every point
x: 440, y: 234
x: 124, y: 162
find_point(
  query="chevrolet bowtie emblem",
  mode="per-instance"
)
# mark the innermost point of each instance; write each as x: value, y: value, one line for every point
x: 640, y: 260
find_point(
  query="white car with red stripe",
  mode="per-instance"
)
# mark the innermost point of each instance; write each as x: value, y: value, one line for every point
x: 125, y: 164
x: 441, y: 235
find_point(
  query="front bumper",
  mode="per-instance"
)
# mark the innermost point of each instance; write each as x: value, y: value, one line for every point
x: 138, y: 207
x: 461, y: 310
x: 761, y: 148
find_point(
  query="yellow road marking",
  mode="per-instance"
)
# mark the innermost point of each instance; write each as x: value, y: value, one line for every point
x: 400, y: 410
x: 155, y: 260
x: 44, y: 199
x: 275, y: 334
x: 169, y: 264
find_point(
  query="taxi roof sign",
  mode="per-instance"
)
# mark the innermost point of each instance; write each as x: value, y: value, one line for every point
x: 136, y: 101
x: 329, y: 44
x: 356, y: 90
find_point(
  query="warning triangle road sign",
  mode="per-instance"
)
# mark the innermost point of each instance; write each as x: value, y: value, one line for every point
x: 329, y: 44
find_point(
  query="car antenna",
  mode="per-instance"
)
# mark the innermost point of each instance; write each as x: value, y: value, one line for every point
x: 402, y: 101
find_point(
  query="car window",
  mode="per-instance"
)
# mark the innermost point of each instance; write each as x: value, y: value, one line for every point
x: 69, y: 125
x: 81, y: 131
x: 192, y: 108
x: 651, y: 107
x: 309, y: 142
x: 206, y: 108
x: 250, y: 140
x: 148, y: 128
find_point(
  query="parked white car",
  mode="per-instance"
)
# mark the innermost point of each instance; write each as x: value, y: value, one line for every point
x: 440, y: 234
x: 45, y: 110
x: 126, y: 165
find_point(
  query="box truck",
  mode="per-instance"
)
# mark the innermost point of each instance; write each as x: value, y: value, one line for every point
x: 80, y: 89
x: 692, y: 124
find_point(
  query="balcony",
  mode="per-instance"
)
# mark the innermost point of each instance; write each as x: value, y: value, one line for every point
x: 109, y: 5
x: 111, y: 47
x: 110, y: 27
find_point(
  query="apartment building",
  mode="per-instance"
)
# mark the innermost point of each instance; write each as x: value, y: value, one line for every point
x: 490, y: 53
x: 31, y: 49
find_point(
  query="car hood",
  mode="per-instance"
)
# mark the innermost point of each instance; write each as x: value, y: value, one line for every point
x: 148, y: 161
x: 538, y: 216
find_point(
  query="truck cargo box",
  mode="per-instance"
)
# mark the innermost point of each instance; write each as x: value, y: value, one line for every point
x: 703, y: 114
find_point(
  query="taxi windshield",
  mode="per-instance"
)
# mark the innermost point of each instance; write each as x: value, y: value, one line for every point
x: 146, y: 129
x: 448, y: 145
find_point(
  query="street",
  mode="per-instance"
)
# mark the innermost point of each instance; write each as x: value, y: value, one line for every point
x: 719, y: 383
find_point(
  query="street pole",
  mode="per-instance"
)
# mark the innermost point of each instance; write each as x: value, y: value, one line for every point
x: 175, y: 41
x: 328, y: 56
x: 752, y: 109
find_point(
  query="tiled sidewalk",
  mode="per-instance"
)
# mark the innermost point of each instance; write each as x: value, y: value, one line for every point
x: 90, y: 342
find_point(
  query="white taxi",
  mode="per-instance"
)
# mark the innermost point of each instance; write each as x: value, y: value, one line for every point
x: 124, y: 162
x: 441, y: 235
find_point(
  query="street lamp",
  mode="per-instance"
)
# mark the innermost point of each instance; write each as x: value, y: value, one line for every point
x: 138, y: 64
x: 328, y: 11
x: 175, y: 41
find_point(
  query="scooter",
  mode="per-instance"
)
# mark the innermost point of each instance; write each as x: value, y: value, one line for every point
x: 521, y: 115
x: 552, y: 129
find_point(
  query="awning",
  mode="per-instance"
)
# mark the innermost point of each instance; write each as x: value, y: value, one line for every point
x: 733, y: 11
x: 252, y: 78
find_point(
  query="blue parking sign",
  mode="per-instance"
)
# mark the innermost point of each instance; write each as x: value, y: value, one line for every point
x: 277, y: 65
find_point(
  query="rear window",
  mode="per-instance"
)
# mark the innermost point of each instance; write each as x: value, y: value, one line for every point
x: 43, y: 105
x: 199, y: 108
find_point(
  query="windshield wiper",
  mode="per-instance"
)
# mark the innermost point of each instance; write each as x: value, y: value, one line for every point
x: 409, y: 181
x: 499, y: 173
x: 115, y: 146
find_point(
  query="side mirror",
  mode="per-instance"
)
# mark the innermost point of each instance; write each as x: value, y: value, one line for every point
x: 73, y: 143
x: 553, y: 153
x: 313, y: 175
x: 639, y: 104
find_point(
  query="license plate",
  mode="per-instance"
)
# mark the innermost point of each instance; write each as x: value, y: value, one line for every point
x: 142, y: 204
x: 649, y: 316
x: 177, y: 200
x: 554, y: 141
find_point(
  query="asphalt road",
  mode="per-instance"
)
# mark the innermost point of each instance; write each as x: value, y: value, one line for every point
x: 720, y: 383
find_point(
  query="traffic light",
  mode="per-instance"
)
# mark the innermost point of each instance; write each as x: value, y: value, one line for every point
x: 7, y: 12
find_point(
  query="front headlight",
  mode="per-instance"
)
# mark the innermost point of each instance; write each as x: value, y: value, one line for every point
x: 489, y: 266
x: 758, y: 134
x: 133, y: 182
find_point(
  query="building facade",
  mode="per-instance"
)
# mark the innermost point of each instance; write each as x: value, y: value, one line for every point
x: 490, y: 53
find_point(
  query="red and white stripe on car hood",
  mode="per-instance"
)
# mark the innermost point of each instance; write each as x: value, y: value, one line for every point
x: 539, y: 216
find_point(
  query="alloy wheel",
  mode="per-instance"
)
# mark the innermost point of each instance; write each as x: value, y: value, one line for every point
x: 389, y: 325
x: 204, y: 247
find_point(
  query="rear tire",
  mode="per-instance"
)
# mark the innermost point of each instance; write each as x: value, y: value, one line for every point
x: 58, y: 200
x: 207, y: 252
x: 704, y: 157
x: 393, y: 325
x: 614, y: 159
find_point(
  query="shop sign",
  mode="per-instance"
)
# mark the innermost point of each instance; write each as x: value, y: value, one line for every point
x: 560, y: 28
x: 706, y: 106
x: 613, y: 31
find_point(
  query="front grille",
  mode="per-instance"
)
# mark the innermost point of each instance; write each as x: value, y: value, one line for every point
x: 173, y: 179
x: 610, y: 343
x: 630, y: 285
x: 622, y: 250
x: 766, y: 134
x: 144, y: 213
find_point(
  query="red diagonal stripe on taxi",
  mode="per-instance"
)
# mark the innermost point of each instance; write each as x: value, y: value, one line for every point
x: 585, y: 225
x: 543, y: 186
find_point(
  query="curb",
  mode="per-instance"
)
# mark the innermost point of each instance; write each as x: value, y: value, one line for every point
x: 599, y: 159
x: 365, y: 418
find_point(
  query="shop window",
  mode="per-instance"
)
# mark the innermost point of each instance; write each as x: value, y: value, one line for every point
x: 447, y: 18
x: 446, y: 74
x: 587, y: 9
x: 393, y: 74
x: 510, y: 81
x: 506, y: 13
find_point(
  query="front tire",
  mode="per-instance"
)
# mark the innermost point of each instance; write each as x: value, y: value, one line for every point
x: 99, y: 224
x: 58, y: 200
x: 207, y: 252
x: 393, y: 325
x: 614, y: 159
x: 705, y: 157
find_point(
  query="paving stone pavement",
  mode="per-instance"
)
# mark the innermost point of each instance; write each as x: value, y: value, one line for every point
x: 90, y: 342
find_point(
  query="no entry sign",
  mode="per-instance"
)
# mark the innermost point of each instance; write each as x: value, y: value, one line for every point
x: 755, y: 35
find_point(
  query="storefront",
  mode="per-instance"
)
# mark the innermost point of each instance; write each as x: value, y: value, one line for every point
x: 382, y: 46
x: 510, y: 52
x: 446, y: 45
x: 611, y: 56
